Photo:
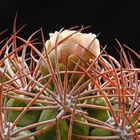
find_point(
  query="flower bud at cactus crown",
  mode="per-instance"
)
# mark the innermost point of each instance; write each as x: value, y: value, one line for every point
x: 73, y: 43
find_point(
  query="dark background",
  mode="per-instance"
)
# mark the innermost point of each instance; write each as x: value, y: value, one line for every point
x: 112, y: 18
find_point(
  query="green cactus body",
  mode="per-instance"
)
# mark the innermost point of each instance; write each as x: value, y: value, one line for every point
x: 100, y: 132
x: 133, y: 120
x: 23, y: 133
x: 80, y: 129
x: 102, y: 115
x: 51, y: 133
x: 29, y: 117
x: 7, y: 98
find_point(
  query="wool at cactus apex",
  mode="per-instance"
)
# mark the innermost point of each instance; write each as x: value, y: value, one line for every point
x: 113, y: 19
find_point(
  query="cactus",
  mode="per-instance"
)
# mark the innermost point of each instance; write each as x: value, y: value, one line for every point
x: 23, y: 133
x: 30, y: 117
x: 102, y: 115
x: 70, y: 90
x: 51, y: 133
x: 100, y: 132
